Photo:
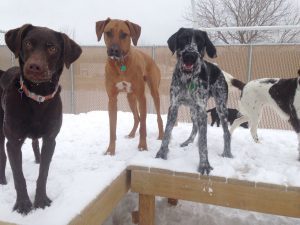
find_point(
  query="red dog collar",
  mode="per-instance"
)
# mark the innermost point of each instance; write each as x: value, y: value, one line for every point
x: 33, y: 96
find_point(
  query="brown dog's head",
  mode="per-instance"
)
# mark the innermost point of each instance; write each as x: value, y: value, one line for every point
x: 42, y: 52
x: 117, y: 35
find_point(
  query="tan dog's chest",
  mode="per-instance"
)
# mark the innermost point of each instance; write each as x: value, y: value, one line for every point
x: 124, y: 86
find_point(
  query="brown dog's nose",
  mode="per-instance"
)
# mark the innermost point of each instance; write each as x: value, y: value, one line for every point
x: 114, y: 50
x: 35, y: 68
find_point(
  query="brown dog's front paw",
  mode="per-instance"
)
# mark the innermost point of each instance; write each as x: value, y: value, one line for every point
x: 142, y: 147
x: 23, y: 206
x: 111, y: 149
x: 160, y: 136
x: 42, y: 202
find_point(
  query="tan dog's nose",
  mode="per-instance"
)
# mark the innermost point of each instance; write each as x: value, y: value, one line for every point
x: 114, y: 51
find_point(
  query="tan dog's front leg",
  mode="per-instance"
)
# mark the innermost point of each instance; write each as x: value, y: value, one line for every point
x: 112, y: 112
x: 133, y: 106
x: 143, y: 114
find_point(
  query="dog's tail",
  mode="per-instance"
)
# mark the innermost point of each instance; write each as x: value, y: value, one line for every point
x: 232, y: 82
x: 208, y: 111
x: 299, y: 72
x: 238, y: 84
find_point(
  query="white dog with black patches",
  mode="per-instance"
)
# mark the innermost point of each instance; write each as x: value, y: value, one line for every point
x: 283, y: 95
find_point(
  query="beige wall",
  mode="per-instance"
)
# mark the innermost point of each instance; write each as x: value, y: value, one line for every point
x: 89, y: 91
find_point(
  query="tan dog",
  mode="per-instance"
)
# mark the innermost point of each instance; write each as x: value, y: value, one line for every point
x: 127, y: 70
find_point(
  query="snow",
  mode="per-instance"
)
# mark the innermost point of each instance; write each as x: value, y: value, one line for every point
x: 79, y: 170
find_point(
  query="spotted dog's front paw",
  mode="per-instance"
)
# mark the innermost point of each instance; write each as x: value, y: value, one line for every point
x: 227, y: 154
x: 162, y: 153
x: 205, y: 168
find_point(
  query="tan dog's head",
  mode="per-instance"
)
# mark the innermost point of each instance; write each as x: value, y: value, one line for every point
x: 117, y: 36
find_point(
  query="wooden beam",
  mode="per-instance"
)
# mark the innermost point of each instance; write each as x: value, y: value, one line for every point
x: 146, y: 209
x: 259, y: 197
x: 99, y: 209
x: 5, y: 223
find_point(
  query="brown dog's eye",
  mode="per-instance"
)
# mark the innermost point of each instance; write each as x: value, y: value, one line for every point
x: 28, y: 44
x: 109, y: 34
x: 123, y: 35
x: 51, y: 48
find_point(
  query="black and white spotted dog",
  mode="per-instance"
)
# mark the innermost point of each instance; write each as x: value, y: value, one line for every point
x: 194, y: 81
x: 283, y: 95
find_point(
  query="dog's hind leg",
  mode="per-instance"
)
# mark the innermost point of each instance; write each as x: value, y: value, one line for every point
x: 237, y: 122
x: 133, y: 106
x: 2, y: 152
x: 153, y: 84
x: 36, y: 150
x: 254, y: 120
x: 194, y: 129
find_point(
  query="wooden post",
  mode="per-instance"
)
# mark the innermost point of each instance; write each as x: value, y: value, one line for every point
x: 146, y: 209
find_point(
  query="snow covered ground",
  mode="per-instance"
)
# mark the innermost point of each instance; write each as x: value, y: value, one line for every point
x: 79, y: 171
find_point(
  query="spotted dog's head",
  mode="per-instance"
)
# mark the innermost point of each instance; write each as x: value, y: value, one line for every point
x: 190, y: 46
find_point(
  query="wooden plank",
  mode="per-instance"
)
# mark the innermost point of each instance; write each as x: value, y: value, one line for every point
x: 99, y: 209
x: 273, y: 199
x: 5, y: 223
x: 146, y: 209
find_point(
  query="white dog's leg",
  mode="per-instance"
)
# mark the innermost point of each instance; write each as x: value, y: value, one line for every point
x: 253, y: 126
x: 237, y: 122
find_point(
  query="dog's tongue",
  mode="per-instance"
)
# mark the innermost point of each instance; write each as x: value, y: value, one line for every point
x: 188, y: 66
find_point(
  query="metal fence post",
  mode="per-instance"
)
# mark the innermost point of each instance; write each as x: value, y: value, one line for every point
x: 249, y: 72
x: 72, y: 89
x: 72, y: 83
x: 153, y: 52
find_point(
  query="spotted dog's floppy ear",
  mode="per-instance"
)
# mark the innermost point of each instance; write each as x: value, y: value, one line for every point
x: 14, y: 37
x: 135, y: 31
x: 172, y: 42
x: 210, y: 48
x: 71, y: 50
x: 100, y: 25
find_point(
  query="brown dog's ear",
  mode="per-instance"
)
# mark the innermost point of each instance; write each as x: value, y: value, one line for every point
x: 13, y: 38
x: 100, y: 25
x: 71, y: 50
x: 210, y: 48
x: 135, y: 31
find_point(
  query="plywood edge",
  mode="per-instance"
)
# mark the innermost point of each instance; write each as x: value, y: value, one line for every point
x: 101, y: 207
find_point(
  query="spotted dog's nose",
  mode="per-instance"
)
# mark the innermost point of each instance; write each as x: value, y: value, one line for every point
x: 189, y: 57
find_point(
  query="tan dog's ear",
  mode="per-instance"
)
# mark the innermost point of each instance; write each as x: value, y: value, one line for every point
x: 71, y: 50
x: 135, y: 31
x: 13, y: 38
x: 100, y: 25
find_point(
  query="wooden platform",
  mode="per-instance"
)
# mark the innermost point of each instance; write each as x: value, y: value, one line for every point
x: 151, y: 182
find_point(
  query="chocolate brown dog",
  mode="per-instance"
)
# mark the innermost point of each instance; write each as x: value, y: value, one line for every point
x: 31, y: 103
x: 127, y: 70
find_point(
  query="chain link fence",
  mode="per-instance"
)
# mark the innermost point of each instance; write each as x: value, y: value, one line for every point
x: 83, y: 87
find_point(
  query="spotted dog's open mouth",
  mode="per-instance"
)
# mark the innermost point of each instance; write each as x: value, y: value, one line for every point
x: 188, y: 67
x: 189, y: 61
